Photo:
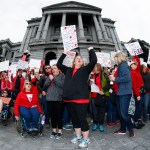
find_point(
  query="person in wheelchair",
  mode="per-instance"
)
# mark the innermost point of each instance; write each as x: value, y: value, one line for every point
x: 28, y: 108
x: 4, y: 106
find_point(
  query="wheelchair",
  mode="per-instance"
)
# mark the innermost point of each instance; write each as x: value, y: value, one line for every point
x: 5, y: 114
x: 22, y: 129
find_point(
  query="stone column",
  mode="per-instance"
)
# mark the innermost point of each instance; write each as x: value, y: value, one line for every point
x: 34, y: 32
x: 28, y: 39
x: 98, y: 30
x: 24, y: 40
x: 45, y: 30
x: 113, y: 38
x: 117, y: 38
x: 103, y: 27
x: 81, y: 28
x: 63, y: 23
x: 40, y: 28
x: 4, y: 51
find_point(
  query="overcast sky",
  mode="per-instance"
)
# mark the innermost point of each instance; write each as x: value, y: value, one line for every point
x: 132, y: 16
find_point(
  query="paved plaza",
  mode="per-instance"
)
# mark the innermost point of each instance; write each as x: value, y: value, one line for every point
x: 11, y: 140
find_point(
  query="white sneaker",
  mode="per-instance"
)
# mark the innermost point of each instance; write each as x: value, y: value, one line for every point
x: 84, y: 143
x: 76, y: 139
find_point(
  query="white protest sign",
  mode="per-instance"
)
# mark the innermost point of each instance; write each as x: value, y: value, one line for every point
x: 69, y: 59
x: 35, y: 63
x: 134, y: 48
x: 95, y: 88
x: 148, y: 60
x: 22, y: 64
x: 141, y: 60
x: 12, y: 69
x: 4, y: 65
x: 69, y: 37
x: 53, y: 62
x: 104, y: 59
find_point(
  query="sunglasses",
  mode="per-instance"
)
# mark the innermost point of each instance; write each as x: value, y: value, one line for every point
x: 47, y: 68
x: 28, y: 83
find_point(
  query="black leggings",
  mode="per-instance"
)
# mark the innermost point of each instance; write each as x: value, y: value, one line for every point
x: 55, y: 112
x: 78, y: 114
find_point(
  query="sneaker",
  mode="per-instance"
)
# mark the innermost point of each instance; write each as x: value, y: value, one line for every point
x: 76, y: 139
x: 141, y: 123
x: 29, y: 130
x: 53, y: 135
x: 66, y: 127
x: 110, y: 124
x: 35, y: 130
x: 137, y: 125
x: 131, y: 133
x: 120, y: 132
x: 59, y: 136
x: 101, y: 128
x: 84, y: 143
x: 94, y: 127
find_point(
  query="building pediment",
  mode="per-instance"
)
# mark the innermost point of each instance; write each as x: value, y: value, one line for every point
x: 71, y: 5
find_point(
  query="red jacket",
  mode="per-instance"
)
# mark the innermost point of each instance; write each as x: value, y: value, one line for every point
x: 6, y: 85
x: 137, y: 82
x: 14, y: 82
x: 115, y: 85
x: 34, y: 87
x: 97, y: 79
x: 22, y: 100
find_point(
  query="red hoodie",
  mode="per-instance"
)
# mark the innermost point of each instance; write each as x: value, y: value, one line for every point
x: 22, y: 100
x: 137, y: 81
x: 115, y: 84
x: 6, y: 85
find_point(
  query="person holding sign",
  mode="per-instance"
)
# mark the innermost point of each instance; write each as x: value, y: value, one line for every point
x: 137, y: 86
x: 76, y: 93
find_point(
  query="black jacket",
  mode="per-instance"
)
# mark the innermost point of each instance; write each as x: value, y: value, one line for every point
x: 76, y: 87
x: 41, y: 82
x: 146, y: 79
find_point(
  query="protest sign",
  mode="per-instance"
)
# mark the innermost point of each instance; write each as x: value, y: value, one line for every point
x: 104, y: 59
x: 4, y: 65
x: 22, y: 64
x: 134, y: 48
x: 35, y: 63
x: 53, y: 62
x: 69, y: 37
x: 69, y: 59
x: 95, y: 88
x: 148, y: 60
x: 5, y: 100
x: 12, y: 70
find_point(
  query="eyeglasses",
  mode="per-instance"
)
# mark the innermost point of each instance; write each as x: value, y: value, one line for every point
x: 47, y: 68
x: 28, y: 83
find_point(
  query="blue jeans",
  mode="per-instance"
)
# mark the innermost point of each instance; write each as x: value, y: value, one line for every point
x: 31, y: 116
x: 123, y: 106
x: 66, y: 118
x: 111, y: 112
x: 146, y: 102
x: 138, y: 108
x: 44, y: 104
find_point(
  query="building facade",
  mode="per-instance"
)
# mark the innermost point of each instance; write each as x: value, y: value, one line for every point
x: 43, y: 37
x: 9, y: 50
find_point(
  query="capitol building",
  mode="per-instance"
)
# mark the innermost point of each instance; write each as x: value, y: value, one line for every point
x: 43, y: 36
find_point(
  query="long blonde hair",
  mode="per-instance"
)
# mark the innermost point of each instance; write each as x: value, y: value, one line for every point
x: 120, y: 57
x: 73, y: 65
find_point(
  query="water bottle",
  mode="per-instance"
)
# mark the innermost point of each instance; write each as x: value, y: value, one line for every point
x: 43, y: 120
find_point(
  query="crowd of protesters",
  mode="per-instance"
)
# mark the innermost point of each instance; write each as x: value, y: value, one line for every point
x: 62, y: 95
